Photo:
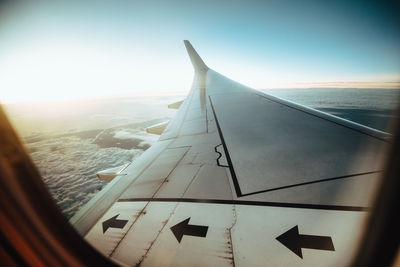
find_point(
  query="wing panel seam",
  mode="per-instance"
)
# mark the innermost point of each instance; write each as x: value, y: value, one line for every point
x: 228, y: 158
x: 250, y: 203
x: 312, y: 182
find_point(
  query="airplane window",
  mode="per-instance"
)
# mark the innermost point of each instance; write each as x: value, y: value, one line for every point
x: 264, y: 143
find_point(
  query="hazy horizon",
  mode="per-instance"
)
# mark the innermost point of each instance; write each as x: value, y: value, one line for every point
x: 181, y: 94
x: 67, y: 50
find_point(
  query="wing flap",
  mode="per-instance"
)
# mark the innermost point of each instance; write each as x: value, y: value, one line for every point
x: 175, y: 105
x: 158, y: 128
x: 272, y: 145
x: 109, y: 174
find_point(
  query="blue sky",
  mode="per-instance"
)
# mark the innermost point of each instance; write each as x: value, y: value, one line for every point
x: 56, y: 51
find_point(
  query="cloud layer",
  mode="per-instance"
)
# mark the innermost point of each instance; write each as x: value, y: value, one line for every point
x: 68, y: 163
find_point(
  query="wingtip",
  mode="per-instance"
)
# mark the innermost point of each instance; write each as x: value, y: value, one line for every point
x: 197, y: 62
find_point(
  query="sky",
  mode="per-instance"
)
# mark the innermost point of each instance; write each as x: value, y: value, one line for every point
x: 52, y: 50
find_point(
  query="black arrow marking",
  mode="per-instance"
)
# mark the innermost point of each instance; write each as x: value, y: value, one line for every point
x: 295, y: 241
x: 184, y: 228
x: 113, y: 223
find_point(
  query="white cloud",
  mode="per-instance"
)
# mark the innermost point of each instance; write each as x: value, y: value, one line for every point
x: 69, y: 165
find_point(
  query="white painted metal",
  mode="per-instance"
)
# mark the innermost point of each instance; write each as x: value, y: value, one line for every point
x: 239, y: 235
x: 148, y: 183
x: 254, y: 236
x: 249, y: 166
x: 157, y: 128
x: 270, y: 151
x: 108, y: 241
x: 86, y: 217
x: 109, y: 174
x: 175, y: 105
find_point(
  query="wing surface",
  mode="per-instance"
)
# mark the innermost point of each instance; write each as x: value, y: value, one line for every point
x: 232, y: 178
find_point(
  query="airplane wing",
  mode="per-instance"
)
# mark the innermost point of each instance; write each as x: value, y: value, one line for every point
x: 239, y: 177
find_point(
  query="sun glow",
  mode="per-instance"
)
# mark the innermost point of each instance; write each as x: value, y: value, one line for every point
x: 52, y: 70
x: 72, y: 50
x: 58, y: 70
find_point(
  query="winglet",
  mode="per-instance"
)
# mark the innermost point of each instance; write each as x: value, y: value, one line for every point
x: 197, y: 62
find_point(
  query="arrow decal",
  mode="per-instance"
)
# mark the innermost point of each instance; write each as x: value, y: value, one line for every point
x: 114, y: 223
x: 184, y: 228
x: 295, y: 241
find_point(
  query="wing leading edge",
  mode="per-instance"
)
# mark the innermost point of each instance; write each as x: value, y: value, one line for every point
x: 247, y: 167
